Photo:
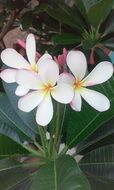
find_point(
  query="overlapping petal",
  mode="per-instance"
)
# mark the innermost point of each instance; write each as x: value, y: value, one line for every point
x: 97, y: 100
x: 44, y: 112
x: 8, y: 75
x: 76, y: 102
x: 63, y: 93
x: 29, y: 79
x: 43, y: 57
x: 49, y: 72
x: 101, y: 73
x: 28, y: 102
x: 21, y: 91
x: 77, y: 63
x: 13, y: 59
x: 31, y: 48
x: 66, y: 78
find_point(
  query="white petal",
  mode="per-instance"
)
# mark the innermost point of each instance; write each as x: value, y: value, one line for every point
x: 77, y: 63
x: 76, y: 102
x: 95, y: 99
x: 101, y: 73
x: 43, y: 57
x: 8, y: 75
x: 30, y: 101
x: 49, y: 71
x: 63, y: 93
x: 44, y: 112
x: 21, y: 91
x: 66, y: 78
x: 28, y: 79
x: 13, y: 59
x: 31, y: 48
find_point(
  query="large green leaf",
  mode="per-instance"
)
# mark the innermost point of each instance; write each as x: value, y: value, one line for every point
x: 9, y: 116
x: 80, y: 125
x: 109, y: 24
x: 13, y: 175
x: 8, y: 147
x: 101, y: 137
x: 80, y: 5
x: 13, y: 133
x: 100, y: 184
x: 60, y: 174
x: 64, y: 16
x: 99, y: 11
x: 99, y: 163
x: 88, y: 4
x: 27, y: 118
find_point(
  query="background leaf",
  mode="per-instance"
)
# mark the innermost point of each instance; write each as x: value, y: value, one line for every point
x: 80, y: 125
x: 61, y: 174
x: 98, y: 12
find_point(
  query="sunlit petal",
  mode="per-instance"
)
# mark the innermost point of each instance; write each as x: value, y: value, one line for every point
x: 31, y: 48
x: 95, y: 99
x: 8, y: 75
x: 29, y: 79
x: 30, y: 101
x: 77, y: 63
x: 13, y: 59
x: 21, y: 91
x: 63, y: 93
x: 49, y: 71
x: 44, y: 112
x: 101, y: 73
x: 76, y: 102
x: 66, y: 78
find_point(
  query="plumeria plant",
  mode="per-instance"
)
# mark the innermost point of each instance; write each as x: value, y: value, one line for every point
x: 46, y: 94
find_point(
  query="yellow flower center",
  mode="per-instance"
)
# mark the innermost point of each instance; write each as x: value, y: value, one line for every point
x: 48, y: 88
x: 77, y: 84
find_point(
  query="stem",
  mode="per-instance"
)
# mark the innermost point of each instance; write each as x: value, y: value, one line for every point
x: 57, y: 129
x: 43, y: 138
x: 61, y: 126
x: 35, y: 153
x: 39, y: 147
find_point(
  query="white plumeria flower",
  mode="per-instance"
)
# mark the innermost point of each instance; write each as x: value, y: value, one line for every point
x: 44, y: 86
x: 16, y: 61
x: 77, y: 63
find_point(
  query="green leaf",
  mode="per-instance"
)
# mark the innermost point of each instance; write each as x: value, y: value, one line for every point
x: 88, y: 4
x: 13, y: 133
x: 109, y: 24
x: 101, y: 55
x: 66, y: 38
x: 28, y: 118
x: 60, y: 174
x: 80, y: 125
x: 13, y: 175
x: 81, y: 6
x: 109, y: 43
x: 99, y: 162
x: 41, y: 8
x: 26, y: 20
x: 102, y: 136
x: 100, y: 184
x: 98, y: 12
x: 63, y: 16
x: 8, y: 115
x: 8, y: 147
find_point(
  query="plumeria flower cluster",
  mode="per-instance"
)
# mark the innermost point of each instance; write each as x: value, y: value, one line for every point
x: 40, y: 81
